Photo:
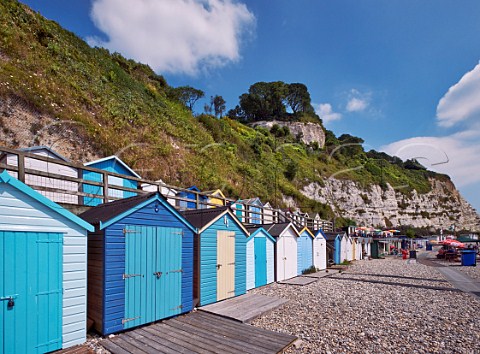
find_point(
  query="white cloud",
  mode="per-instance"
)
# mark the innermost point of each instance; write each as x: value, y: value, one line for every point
x: 462, y: 101
x: 458, y: 158
x: 456, y: 154
x: 176, y: 36
x: 325, y: 111
x: 356, y: 104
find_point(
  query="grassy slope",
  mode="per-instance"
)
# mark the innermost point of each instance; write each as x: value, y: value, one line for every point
x: 122, y: 104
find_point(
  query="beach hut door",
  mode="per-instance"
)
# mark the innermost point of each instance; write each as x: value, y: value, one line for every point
x: 260, y: 261
x: 225, y: 264
x: 153, y: 274
x: 30, y: 292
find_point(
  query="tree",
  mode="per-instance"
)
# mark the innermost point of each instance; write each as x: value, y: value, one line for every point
x: 298, y: 98
x: 218, y: 104
x: 188, y: 95
x: 410, y: 233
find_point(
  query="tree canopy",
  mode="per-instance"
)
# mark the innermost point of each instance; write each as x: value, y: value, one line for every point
x: 274, y: 101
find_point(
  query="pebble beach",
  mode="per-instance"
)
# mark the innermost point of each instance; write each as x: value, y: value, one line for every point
x: 378, y: 306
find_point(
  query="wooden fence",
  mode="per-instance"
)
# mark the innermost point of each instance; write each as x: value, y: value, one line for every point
x: 69, y: 188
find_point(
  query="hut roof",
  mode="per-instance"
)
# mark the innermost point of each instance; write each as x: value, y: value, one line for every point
x: 22, y: 187
x: 115, y: 159
x: 277, y: 229
x: 38, y: 149
x: 106, y: 214
x: 203, y: 218
x: 330, y: 236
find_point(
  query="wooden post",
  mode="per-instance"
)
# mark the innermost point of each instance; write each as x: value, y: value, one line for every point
x: 21, y: 167
x: 197, y: 201
x: 105, y: 186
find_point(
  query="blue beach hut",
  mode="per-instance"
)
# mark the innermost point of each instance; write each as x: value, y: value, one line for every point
x: 250, y: 211
x: 140, y: 263
x: 109, y: 164
x: 335, y: 240
x: 220, y: 254
x: 43, y: 277
x: 304, y: 250
x: 260, y: 257
x: 192, y: 199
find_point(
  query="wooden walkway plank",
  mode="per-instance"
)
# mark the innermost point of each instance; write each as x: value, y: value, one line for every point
x: 204, y: 344
x: 130, y: 347
x: 248, y: 330
x: 199, y: 332
x: 244, y: 308
x: 301, y: 281
x: 113, y: 347
x: 159, y: 343
x: 168, y: 346
x: 226, y: 344
x: 177, y: 344
x: 234, y: 339
x: 139, y: 342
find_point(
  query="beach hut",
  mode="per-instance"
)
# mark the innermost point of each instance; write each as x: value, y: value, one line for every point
x: 109, y: 164
x: 195, y: 200
x: 220, y: 259
x: 43, y: 277
x: 251, y: 213
x: 160, y: 186
x: 260, y: 257
x: 346, y: 247
x: 285, y: 249
x: 216, y: 197
x: 320, y: 251
x: 140, y: 263
x: 268, y: 214
x: 304, y: 250
x: 335, y: 241
x: 46, y: 167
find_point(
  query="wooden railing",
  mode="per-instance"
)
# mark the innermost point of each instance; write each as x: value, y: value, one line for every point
x: 48, y: 182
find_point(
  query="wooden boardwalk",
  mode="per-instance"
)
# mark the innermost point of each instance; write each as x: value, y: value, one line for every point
x: 300, y: 280
x: 198, y: 332
x: 321, y: 274
x: 78, y: 349
x: 244, y: 308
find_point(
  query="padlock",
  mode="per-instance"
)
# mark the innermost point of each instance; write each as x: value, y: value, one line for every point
x: 10, y: 303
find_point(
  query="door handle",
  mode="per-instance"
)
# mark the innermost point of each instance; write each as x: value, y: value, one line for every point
x: 158, y: 274
x: 218, y: 266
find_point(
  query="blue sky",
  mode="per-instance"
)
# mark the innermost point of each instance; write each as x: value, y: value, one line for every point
x: 402, y: 74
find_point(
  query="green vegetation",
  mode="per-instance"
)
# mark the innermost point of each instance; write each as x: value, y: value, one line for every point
x: 118, y: 104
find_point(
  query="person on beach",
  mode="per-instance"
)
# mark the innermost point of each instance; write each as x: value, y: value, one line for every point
x: 404, y: 253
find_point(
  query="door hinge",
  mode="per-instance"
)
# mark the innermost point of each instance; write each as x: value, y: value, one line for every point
x: 125, y: 231
x: 125, y: 320
x: 231, y: 263
x: 178, y: 233
x: 126, y: 276
x: 176, y: 271
x: 178, y: 307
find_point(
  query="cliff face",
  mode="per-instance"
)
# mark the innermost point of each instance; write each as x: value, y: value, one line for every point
x: 442, y: 207
x: 310, y: 132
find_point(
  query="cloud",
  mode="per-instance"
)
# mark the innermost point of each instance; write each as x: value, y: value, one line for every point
x: 356, y: 105
x: 456, y: 154
x: 174, y: 36
x: 458, y: 158
x: 462, y: 101
x: 325, y: 111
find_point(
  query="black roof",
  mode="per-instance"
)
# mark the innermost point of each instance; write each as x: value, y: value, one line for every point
x: 107, y: 211
x: 275, y: 229
x: 330, y: 236
x: 201, y: 217
x: 252, y: 228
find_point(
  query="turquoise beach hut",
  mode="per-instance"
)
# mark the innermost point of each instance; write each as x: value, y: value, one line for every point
x: 109, y: 164
x: 140, y: 263
x: 220, y: 256
x: 260, y: 257
x: 335, y: 240
x: 305, y: 250
x: 43, y: 276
